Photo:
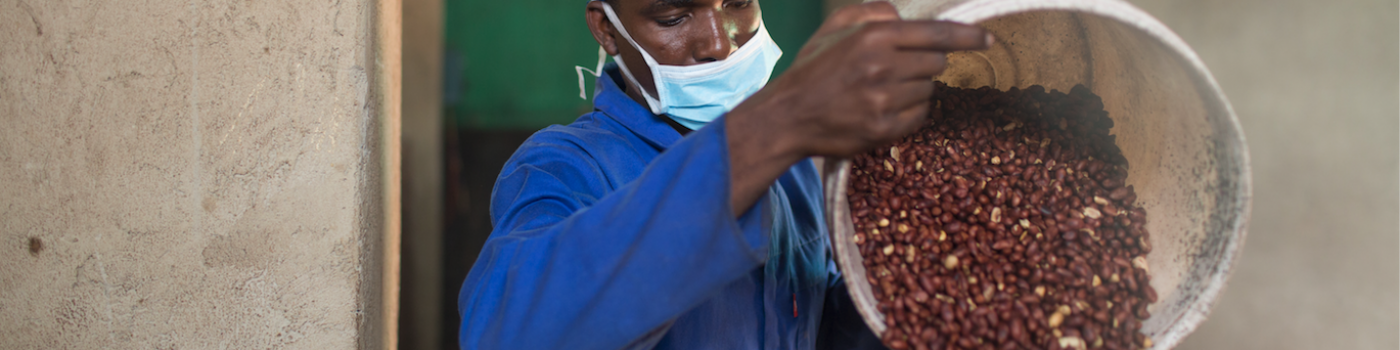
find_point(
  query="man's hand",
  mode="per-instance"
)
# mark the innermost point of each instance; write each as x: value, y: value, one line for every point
x: 864, y: 79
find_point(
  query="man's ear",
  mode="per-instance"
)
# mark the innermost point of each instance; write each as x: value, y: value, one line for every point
x: 602, y: 28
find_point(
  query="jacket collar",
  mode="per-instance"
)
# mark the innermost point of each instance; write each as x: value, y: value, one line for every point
x: 614, y: 103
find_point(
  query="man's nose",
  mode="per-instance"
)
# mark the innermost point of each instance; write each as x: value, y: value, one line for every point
x: 716, y: 40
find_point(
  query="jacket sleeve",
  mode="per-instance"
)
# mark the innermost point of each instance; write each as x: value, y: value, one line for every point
x: 571, y: 266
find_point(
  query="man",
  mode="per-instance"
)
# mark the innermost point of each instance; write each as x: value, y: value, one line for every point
x: 683, y: 212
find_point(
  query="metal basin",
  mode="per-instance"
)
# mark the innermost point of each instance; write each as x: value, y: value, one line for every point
x: 1186, y: 151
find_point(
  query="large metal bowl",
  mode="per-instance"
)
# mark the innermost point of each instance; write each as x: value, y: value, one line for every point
x: 1187, y: 155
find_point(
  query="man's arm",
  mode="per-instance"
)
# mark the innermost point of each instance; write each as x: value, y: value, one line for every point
x: 863, y: 80
x: 569, y: 267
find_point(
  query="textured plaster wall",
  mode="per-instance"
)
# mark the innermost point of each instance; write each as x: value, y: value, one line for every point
x: 195, y: 174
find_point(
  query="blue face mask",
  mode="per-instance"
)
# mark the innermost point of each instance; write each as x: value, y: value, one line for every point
x: 697, y: 94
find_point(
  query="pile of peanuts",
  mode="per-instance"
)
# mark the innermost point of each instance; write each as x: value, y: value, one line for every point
x: 1004, y: 223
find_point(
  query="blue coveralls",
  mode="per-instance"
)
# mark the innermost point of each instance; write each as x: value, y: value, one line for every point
x: 616, y: 232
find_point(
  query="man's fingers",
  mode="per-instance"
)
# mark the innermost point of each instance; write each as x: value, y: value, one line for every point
x: 910, y: 119
x: 920, y: 65
x: 934, y: 35
x: 910, y: 93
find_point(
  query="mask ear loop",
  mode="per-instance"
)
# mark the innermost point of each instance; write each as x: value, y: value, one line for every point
x: 595, y: 72
x: 653, y: 103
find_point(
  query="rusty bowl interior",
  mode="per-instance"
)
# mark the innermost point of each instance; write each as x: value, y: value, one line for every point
x: 1186, y: 151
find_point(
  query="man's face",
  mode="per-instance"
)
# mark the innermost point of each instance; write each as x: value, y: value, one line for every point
x: 674, y: 32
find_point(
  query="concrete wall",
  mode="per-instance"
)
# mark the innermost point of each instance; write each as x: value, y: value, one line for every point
x: 197, y: 174
x: 1316, y: 85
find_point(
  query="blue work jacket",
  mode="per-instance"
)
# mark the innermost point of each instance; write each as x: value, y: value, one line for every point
x: 615, y: 232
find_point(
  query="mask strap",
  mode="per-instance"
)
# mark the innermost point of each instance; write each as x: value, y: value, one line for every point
x: 596, y: 72
x: 653, y: 102
x: 612, y: 17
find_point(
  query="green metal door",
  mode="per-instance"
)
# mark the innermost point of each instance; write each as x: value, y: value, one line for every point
x: 510, y: 64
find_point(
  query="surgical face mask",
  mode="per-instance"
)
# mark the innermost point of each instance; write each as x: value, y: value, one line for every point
x: 697, y: 94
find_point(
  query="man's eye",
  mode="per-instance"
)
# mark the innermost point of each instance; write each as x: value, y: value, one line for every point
x: 740, y: 4
x: 670, y: 22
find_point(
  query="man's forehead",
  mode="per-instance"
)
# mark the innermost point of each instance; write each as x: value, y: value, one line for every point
x: 677, y: 3
x: 646, y: 5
